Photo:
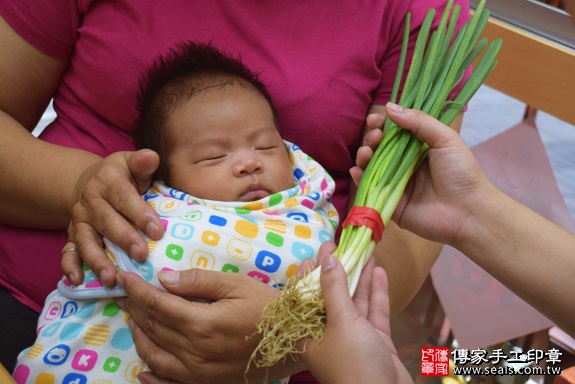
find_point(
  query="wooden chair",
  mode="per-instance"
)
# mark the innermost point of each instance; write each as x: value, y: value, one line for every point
x: 534, y: 70
x: 5, y: 377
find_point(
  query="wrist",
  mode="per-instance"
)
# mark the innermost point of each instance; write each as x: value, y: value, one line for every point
x: 482, y: 219
x: 84, y: 161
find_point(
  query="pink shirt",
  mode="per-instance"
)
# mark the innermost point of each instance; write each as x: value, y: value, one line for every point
x: 324, y: 66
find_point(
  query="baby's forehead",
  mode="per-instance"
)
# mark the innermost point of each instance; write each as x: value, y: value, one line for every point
x: 208, y: 81
x: 203, y: 91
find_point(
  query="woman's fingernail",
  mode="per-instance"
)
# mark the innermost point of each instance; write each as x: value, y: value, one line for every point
x: 169, y: 277
x: 367, y: 138
x: 152, y: 230
x: 146, y: 377
x: 394, y: 107
x: 135, y: 250
x: 74, y: 279
x: 104, y: 275
x: 328, y: 263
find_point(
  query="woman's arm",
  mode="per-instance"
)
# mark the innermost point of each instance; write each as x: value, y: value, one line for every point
x: 530, y: 255
x: 37, y: 178
x: 43, y: 184
x: 406, y: 257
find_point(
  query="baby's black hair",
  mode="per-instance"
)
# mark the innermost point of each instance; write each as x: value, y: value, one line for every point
x: 187, y: 69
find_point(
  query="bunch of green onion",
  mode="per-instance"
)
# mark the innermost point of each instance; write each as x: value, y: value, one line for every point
x: 438, y: 64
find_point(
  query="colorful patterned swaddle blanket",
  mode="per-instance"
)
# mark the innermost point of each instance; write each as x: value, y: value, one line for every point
x: 83, y: 336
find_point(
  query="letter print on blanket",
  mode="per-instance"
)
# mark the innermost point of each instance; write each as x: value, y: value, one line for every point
x: 83, y: 336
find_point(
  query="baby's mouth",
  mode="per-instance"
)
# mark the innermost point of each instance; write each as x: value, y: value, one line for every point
x: 254, y: 192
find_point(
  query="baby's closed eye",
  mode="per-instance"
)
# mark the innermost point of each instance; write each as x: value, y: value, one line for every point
x: 210, y: 157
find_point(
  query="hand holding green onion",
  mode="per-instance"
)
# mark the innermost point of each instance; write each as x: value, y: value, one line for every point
x: 439, y: 61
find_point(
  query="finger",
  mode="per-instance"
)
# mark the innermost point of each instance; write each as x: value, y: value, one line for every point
x: 148, y: 305
x: 326, y: 249
x: 142, y: 165
x: 121, y: 207
x: 422, y: 170
x: 379, y: 312
x: 72, y: 264
x: 373, y: 136
x: 306, y: 266
x: 371, y: 139
x: 356, y: 174
x: 364, y: 155
x: 126, y: 206
x: 159, y: 328
x: 423, y: 126
x: 362, y: 293
x: 335, y: 291
x: 157, y: 358
x: 211, y: 285
x: 90, y: 248
x: 150, y: 378
x: 375, y: 121
x: 156, y: 328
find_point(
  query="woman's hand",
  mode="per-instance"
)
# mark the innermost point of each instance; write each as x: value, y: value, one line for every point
x: 449, y: 185
x: 371, y: 139
x: 107, y: 202
x: 356, y: 346
x: 198, y: 342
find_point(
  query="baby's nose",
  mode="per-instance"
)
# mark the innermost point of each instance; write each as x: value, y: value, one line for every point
x: 249, y: 165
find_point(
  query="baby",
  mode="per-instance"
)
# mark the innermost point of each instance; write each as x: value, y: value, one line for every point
x: 232, y: 195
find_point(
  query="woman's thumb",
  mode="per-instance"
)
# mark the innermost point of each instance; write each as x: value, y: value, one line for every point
x: 335, y: 291
x: 142, y: 165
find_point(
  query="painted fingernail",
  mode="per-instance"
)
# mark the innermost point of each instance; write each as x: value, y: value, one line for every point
x: 394, y: 107
x: 169, y: 277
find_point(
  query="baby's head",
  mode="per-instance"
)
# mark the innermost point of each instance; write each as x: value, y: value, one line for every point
x: 214, y: 126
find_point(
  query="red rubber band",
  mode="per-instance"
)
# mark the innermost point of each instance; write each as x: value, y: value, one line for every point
x: 367, y: 217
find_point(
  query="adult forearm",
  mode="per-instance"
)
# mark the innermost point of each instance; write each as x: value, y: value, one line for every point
x: 407, y: 259
x: 38, y: 178
x: 530, y: 255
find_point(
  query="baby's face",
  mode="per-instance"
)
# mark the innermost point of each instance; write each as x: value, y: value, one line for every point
x: 225, y: 147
